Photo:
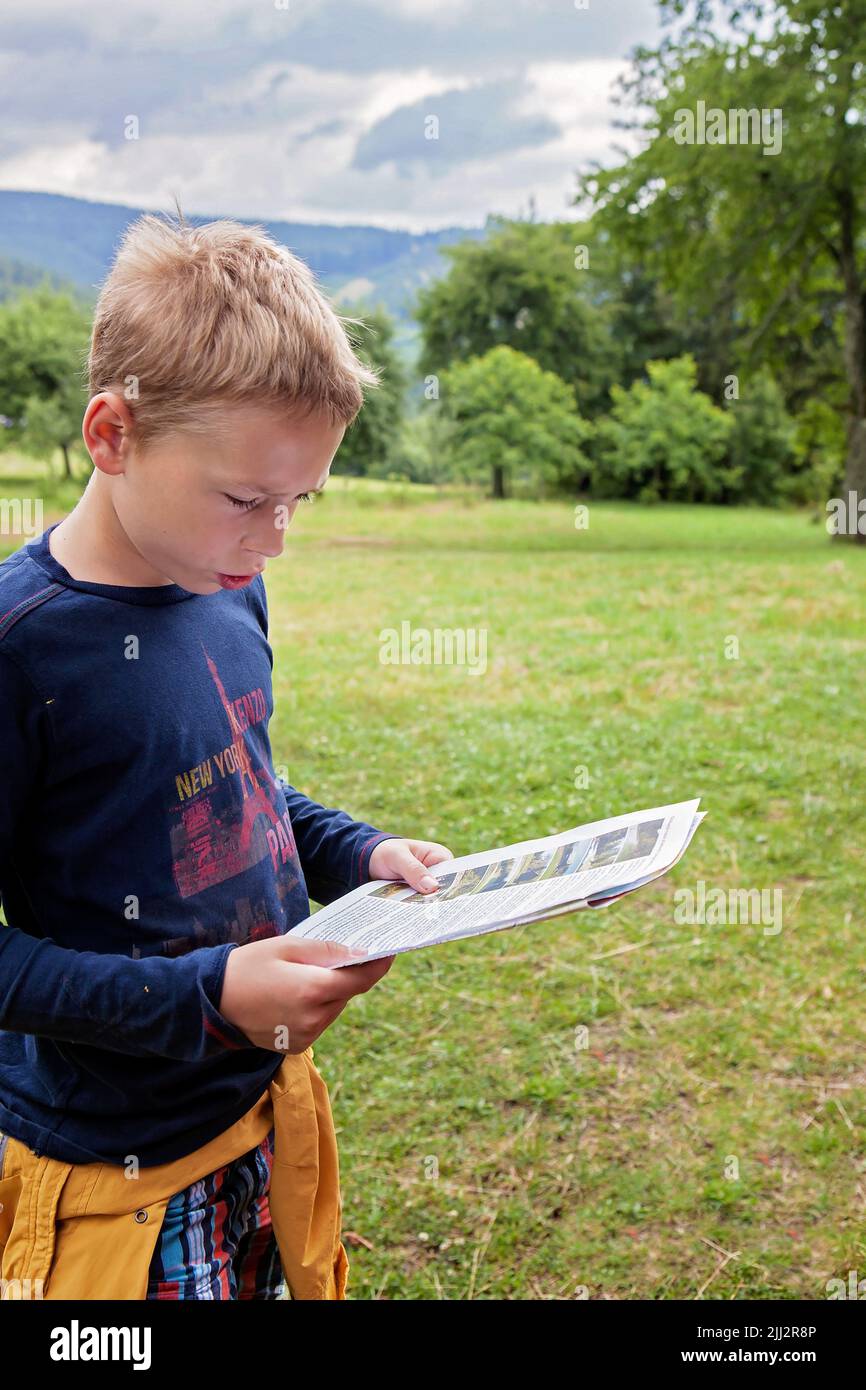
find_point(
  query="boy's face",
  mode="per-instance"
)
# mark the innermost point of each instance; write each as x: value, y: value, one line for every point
x: 207, y: 512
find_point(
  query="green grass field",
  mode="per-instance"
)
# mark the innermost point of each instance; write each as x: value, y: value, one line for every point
x: 483, y: 1154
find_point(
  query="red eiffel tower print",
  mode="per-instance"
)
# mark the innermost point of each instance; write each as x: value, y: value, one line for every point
x: 256, y: 801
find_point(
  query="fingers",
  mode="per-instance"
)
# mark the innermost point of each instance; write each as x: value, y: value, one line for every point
x: 323, y: 1005
x: 324, y: 986
x: 372, y: 972
x: 411, y: 869
x: 324, y: 955
x: 309, y: 952
x: 356, y: 979
x: 430, y: 853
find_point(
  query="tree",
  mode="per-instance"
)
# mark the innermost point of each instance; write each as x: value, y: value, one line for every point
x: 520, y: 288
x: 423, y: 453
x: 820, y: 443
x: 508, y: 416
x: 763, y: 454
x: 369, y: 441
x: 53, y: 422
x: 44, y: 340
x: 644, y: 321
x: 756, y: 221
x: 664, y: 440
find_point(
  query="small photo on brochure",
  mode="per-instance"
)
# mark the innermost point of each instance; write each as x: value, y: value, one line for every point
x: 499, y: 873
x: 640, y: 840
x: 467, y: 881
x: 393, y: 890
x: 606, y: 848
x: 531, y: 866
x: 568, y: 859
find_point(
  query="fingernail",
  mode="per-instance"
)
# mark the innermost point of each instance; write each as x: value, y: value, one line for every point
x: 428, y: 881
x: 357, y: 951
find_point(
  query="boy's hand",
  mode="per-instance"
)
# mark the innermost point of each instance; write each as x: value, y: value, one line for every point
x: 408, y: 860
x: 282, y: 993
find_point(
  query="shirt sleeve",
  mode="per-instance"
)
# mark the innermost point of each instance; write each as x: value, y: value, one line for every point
x: 146, y: 1006
x: 334, y: 849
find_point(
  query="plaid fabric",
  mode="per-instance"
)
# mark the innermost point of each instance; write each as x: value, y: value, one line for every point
x: 216, y: 1239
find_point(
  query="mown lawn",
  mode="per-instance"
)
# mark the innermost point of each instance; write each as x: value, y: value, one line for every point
x: 483, y: 1154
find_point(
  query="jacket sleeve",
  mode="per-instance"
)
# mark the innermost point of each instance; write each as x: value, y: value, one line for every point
x: 146, y: 1007
x: 334, y: 849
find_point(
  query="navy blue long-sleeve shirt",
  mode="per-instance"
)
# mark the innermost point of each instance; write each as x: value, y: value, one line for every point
x: 143, y: 835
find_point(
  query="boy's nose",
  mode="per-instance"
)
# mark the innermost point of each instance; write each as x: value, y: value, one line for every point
x: 269, y: 544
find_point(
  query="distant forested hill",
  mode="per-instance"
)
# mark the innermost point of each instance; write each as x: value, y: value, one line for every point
x: 72, y: 241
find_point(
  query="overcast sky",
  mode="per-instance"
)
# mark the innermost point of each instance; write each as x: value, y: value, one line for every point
x: 315, y: 110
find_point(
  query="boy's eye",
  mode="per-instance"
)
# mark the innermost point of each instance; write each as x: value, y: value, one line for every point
x: 246, y: 506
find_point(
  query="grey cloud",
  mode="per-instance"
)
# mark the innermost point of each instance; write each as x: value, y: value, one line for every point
x: 195, y: 70
x: 476, y: 40
x: 324, y: 129
x: 477, y: 123
x: 83, y: 73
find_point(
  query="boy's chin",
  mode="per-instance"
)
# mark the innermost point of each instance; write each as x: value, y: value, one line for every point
x: 196, y: 584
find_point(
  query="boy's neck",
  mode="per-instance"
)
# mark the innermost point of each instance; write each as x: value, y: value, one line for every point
x: 93, y: 547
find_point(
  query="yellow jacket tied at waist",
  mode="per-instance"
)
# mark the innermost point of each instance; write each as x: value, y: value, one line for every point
x: 89, y: 1230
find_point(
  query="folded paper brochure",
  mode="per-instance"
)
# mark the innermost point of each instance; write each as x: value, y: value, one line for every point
x: 588, y: 866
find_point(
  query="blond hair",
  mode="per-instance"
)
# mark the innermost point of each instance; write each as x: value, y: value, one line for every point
x: 190, y: 319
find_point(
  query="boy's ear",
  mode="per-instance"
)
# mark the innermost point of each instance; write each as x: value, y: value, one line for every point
x: 106, y: 429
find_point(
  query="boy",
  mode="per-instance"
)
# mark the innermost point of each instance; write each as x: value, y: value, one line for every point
x: 154, y: 1012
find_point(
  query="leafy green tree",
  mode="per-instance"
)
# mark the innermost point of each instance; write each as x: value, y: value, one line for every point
x: 44, y: 341
x: 664, y: 440
x: 757, y: 223
x: 369, y: 442
x: 763, y: 456
x: 509, y: 416
x: 644, y: 320
x: 820, y: 443
x: 423, y: 453
x: 521, y: 288
x: 54, y: 422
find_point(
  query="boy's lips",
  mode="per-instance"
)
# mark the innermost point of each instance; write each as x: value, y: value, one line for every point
x: 236, y: 581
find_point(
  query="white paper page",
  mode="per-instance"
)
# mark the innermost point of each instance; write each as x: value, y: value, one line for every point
x: 497, y: 889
